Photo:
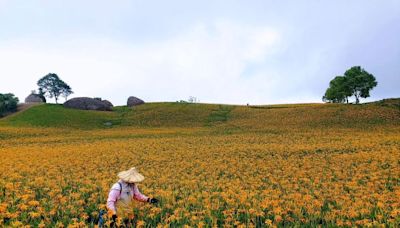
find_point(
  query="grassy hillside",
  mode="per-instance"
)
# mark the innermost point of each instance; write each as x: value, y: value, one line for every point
x: 148, y: 115
x: 50, y: 115
x: 208, y: 115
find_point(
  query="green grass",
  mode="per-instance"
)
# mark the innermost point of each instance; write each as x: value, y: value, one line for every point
x: 51, y: 115
x: 147, y: 115
x: 226, y: 117
x: 171, y: 114
x: 220, y: 114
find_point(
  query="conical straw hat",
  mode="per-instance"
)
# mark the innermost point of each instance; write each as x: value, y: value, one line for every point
x: 131, y: 176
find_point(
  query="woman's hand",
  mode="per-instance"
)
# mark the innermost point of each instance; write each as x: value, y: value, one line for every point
x: 152, y: 200
x: 113, y: 220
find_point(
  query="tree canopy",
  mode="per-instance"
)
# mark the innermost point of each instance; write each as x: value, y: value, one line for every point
x: 356, y: 82
x: 8, y: 103
x: 337, y: 91
x: 52, y: 86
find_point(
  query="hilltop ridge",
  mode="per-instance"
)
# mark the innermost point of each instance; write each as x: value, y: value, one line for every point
x: 171, y: 114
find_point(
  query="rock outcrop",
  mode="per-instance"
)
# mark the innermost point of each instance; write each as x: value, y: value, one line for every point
x: 108, y: 103
x: 87, y: 103
x: 134, y: 101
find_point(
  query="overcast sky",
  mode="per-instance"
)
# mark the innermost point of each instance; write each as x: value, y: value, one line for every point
x: 237, y: 52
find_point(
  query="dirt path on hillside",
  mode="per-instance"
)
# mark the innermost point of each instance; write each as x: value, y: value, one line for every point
x: 21, y: 107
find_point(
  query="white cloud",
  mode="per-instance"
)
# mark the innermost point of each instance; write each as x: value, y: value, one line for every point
x: 205, y: 61
x: 257, y: 53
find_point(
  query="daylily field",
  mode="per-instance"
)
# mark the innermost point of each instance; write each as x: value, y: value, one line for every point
x: 209, y: 165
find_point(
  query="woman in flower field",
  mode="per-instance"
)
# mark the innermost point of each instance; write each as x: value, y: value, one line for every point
x: 122, y: 193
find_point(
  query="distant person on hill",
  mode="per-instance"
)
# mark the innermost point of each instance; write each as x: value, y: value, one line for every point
x: 120, y: 199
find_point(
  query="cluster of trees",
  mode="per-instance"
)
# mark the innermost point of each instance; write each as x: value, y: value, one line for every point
x: 8, y: 103
x: 356, y: 82
x: 52, y: 86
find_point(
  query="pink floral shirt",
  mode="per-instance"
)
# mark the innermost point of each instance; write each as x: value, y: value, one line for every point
x: 115, y: 194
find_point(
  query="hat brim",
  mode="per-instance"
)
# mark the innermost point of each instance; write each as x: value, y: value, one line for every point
x: 130, y: 176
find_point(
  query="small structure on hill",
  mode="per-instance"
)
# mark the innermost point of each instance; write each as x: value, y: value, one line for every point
x: 35, y: 98
x: 87, y: 103
x: 134, y: 101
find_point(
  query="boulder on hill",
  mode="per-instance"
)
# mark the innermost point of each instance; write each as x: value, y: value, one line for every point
x: 134, y: 101
x: 107, y: 102
x: 87, y: 103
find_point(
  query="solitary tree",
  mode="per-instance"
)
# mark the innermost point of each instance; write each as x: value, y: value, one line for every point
x: 52, y: 86
x: 360, y: 82
x: 356, y: 82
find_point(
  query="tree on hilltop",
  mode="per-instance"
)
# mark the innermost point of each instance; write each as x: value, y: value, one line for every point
x: 356, y: 82
x: 66, y: 91
x: 52, y: 86
x: 41, y: 95
x: 338, y: 91
x: 8, y: 103
x: 360, y: 82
